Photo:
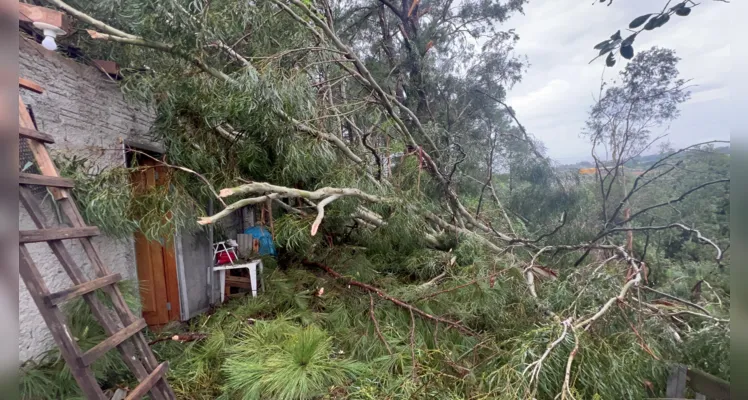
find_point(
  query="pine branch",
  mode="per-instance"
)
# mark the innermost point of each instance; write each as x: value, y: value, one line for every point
x: 376, y: 324
x: 394, y: 300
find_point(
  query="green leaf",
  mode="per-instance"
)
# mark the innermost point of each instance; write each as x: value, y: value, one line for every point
x: 601, y: 44
x: 629, y: 40
x: 662, y: 20
x: 638, y: 21
x: 627, y: 52
x: 683, y: 11
x: 678, y: 6
x: 616, y: 36
x: 610, y: 60
x: 657, y: 21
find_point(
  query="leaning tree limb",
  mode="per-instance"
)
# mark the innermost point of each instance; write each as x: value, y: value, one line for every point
x: 678, y: 299
x: 269, y: 191
x: 394, y: 300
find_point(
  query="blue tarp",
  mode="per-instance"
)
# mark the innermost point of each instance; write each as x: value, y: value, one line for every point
x: 266, y: 240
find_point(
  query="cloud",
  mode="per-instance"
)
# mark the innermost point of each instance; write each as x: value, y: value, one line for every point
x: 561, y: 85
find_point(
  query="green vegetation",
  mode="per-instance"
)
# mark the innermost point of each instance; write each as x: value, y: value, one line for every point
x: 466, y: 268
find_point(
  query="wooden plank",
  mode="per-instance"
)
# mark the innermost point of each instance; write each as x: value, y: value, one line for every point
x: 111, y: 342
x: 28, y: 84
x: 35, y: 135
x: 35, y: 179
x: 79, y: 290
x: 142, y: 263
x: 709, y: 385
x: 172, y: 281
x: 238, y: 281
x: 147, y: 383
x: 46, y: 15
x: 44, y: 235
x: 57, y: 325
x: 43, y: 160
x: 676, y: 382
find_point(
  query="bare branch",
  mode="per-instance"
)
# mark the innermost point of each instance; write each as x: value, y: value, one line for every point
x: 678, y: 299
x: 673, y: 225
x: 321, y: 212
x: 376, y: 324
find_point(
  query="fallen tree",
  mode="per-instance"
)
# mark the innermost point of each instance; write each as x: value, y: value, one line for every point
x: 373, y: 143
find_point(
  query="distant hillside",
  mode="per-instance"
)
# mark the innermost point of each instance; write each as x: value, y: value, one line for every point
x: 638, y: 162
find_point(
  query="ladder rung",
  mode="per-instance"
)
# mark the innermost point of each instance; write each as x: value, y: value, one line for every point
x: 43, y: 180
x: 79, y: 290
x: 148, y: 382
x: 111, y: 342
x: 43, y: 235
x: 36, y: 135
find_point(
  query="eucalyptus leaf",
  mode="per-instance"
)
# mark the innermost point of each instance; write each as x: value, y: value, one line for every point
x: 610, y: 60
x: 683, y: 11
x: 662, y: 20
x: 627, y: 52
x: 601, y: 44
x: 629, y: 40
x: 639, y: 21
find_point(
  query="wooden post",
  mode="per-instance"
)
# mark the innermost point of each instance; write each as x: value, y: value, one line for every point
x: 676, y: 382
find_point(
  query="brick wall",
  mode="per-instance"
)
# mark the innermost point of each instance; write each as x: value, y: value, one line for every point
x: 88, y: 116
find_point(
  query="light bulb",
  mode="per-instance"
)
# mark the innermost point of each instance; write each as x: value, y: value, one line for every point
x: 50, y: 33
x: 49, y: 43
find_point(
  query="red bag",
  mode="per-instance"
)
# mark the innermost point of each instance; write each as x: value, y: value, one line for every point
x: 225, y: 257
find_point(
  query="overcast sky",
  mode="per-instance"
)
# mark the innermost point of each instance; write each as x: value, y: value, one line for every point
x: 557, y: 90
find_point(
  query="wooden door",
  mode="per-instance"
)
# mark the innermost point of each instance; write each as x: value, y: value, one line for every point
x: 156, y: 263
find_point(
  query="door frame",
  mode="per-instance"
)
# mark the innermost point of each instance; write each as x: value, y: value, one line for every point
x: 173, y: 279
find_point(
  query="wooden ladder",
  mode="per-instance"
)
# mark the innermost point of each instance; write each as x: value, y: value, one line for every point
x: 124, y: 330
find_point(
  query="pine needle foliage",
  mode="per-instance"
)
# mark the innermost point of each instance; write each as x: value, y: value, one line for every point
x: 284, y: 361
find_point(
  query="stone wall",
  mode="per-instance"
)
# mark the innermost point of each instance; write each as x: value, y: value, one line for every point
x: 88, y: 116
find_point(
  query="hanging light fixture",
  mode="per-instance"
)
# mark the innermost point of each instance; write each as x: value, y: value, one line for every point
x: 50, y: 33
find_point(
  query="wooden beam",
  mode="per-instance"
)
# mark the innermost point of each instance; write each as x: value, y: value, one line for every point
x: 43, y: 235
x: 111, y: 342
x: 35, y: 135
x: 148, y: 382
x: 31, y: 13
x: 676, y: 382
x: 110, y: 67
x: 79, y: 290
x: 41, y: 155
x: 30, y: 85
x: 708, y: 385
x: 42, y: 180
x: 238, y: 281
